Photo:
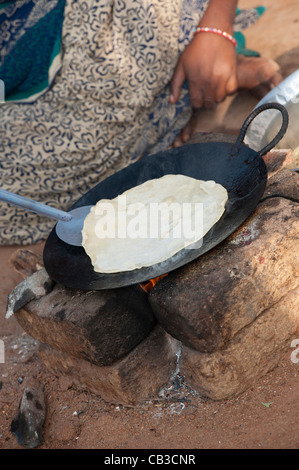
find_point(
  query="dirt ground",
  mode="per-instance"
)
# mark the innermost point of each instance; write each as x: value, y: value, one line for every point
x: 264, y: 417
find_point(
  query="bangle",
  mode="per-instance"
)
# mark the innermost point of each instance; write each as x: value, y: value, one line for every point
x: 216, y: 31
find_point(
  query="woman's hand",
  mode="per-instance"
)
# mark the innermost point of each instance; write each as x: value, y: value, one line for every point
x: 209, y: 65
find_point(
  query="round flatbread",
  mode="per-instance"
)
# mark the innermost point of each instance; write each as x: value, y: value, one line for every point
x: 149, y: 223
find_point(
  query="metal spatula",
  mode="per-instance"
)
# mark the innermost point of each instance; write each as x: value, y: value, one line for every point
x: 69, y: 224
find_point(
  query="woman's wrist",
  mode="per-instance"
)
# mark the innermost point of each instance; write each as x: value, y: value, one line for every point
x: 217, y: 31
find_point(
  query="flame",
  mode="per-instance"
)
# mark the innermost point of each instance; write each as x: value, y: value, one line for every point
x: 148, y: 285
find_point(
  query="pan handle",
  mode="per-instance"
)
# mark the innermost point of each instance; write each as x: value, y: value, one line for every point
x: 255, y: 113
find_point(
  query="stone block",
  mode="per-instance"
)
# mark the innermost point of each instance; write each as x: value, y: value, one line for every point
x: 26, y: 262
x: 34, y: 287
x: 285, y: 183
x: 135, y: 378
x: 99, y: 326
x: 28, y: 422
x: 205, y: 303
x: 252, y: 352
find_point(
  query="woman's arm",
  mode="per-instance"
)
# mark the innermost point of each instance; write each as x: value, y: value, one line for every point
x: 209, y: 61
x: 221, y: 12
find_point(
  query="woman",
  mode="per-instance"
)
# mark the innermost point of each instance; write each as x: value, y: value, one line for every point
x: 122, y: 78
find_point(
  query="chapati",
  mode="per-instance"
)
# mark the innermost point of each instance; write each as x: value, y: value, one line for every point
x: 151, y: 222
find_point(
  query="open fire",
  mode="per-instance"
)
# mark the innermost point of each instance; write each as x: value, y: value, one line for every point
x: 148, y: 285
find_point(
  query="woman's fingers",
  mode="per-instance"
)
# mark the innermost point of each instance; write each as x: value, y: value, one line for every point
x: 195, y: 94
x: 209, y: 83
x: 187, y: 131
x: 185, y: 134
x: 177, y: 81
x: 232, y: 84
x: 224, y: 89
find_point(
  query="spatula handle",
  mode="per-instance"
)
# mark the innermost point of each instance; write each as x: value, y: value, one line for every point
x: 34, y: 206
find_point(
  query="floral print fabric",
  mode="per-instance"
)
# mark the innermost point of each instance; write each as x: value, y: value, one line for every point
x: 30, y: 47
x: 108, y: 106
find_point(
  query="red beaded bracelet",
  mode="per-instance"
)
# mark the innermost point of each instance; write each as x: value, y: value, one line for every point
x: 216, y: 31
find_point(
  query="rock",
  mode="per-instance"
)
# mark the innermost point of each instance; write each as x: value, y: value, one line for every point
x: 28, y: 422
x: 99, y: 326
x: 284, y: 183
x: 136, y: 377
x: 276, y: 160
x: 205, y: 303
x: 252, y: 352
x: 26, y: 262
x: 33, y: 287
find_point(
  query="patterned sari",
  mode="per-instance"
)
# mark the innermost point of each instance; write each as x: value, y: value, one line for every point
x: 94, y: 99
